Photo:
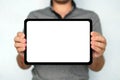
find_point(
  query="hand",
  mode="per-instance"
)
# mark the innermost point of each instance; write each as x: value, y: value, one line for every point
x: 20, y: 43
x: 98, y: 44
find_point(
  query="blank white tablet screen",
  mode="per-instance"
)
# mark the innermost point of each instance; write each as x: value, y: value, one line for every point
x: 58, y: 41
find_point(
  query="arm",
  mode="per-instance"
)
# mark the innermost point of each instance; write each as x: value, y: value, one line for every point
x: 98, y: 44
x: 20, y: 61
x: 97, y: 64
x: 20, y: 44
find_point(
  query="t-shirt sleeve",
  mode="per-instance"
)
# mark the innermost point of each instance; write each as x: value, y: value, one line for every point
x: 96, y: 23
x: 31, y: 15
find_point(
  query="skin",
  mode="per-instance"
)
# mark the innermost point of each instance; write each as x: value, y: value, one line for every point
x: 62, y: 9
x: 61, y: 1
x: 98, y: 42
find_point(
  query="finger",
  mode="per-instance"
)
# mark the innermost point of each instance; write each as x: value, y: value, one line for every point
x: 21, y: 34
x: 19, y: 40
x: 98, y: 44
x: 21, y: 50
x: 98, y: 50
x: 95, y: 55
x: 93, y: 33
x: 99, y: 39
x: 20, y: 45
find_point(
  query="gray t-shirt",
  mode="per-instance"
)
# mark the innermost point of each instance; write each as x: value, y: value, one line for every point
x: 63, y: 72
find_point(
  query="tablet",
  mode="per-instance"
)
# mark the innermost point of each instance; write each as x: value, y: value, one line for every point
x: 58, y: 41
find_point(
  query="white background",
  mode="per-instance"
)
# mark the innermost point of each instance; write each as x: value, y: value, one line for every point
x: 13, y: 12
x: 58, y: 41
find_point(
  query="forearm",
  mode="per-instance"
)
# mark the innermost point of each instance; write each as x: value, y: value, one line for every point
x: 97, y: 64
x: 20, y: 61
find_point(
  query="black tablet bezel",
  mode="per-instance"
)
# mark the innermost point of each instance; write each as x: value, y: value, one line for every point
x: 56, y: 63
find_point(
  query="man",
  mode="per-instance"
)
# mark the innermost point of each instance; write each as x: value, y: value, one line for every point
x: 65, y: 9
